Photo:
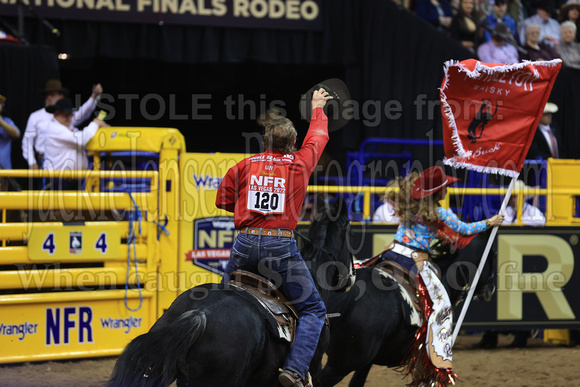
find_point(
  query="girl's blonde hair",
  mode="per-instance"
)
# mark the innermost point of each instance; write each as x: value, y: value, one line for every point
x: 407, y: 208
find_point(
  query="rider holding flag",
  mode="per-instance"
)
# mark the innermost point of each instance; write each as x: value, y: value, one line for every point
x: 422, y: 220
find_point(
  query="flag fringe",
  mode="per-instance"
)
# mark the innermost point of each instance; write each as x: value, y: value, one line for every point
x: 451, y: 119
x: 446, y: 66
x: 481, y: 67
x: 452, y: 162
x: 449, y: 113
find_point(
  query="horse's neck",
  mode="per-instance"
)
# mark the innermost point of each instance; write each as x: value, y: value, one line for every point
x: 328, y: 241
x: 457, y: 268
x: 320, y: 281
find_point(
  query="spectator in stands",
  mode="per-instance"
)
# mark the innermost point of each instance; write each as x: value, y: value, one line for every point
x: 531, y: 215
x: 8, y: 132
x: 570, y: 11
x: 534, y: 50
x: 386, y: 212
x: 463, y: 25
x: 497, y: 50
x: 435, y: 12
x: 38, y: 121
x: 549, y: 28
x: 65, y: 144
x: 484, y: 8
x: 545, y: 142
x: 499, y: 16
x: 455, y: 6
x: 515, y: 10
x: 404, y: 3
x: 568, y: 49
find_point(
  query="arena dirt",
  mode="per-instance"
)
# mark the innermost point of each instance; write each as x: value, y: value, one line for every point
x: 540, y: 364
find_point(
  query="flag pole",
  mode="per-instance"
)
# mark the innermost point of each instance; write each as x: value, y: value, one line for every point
x: 481, y: 264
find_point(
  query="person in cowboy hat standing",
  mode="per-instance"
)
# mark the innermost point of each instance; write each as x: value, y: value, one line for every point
x: 34, y: 134
x: 545, y: 142
x: 422, y: 220
x: 65, y: 144
x: 265, y: 192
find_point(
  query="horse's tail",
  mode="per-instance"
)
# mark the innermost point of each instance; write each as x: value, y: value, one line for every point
x: 151, y: 359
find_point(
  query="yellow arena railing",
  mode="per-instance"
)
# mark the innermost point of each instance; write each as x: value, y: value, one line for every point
x: 84, y: 272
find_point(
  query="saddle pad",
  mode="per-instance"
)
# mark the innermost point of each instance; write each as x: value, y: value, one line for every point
x: 402, y: 276
x: 407, y: 287
x: 264, y: 290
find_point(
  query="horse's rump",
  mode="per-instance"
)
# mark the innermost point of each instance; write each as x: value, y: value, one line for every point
x: 153, y: 357
x: 208, y: 336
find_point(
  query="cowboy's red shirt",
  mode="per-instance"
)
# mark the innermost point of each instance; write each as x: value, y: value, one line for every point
x: 267, y: 190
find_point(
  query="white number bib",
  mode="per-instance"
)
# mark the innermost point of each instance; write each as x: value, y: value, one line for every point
x: 267, y: 188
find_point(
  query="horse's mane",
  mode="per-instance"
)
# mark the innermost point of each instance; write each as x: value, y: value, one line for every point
x: 459, y: 266
x: 328, y: 239
x: 330, y: 226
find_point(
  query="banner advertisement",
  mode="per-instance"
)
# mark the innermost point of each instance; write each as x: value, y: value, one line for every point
x: 212, y: 229
x: 70, y: 326
x: 271, y: 14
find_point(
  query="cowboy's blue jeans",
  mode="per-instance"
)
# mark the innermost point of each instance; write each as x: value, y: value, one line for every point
x: 279, y: 260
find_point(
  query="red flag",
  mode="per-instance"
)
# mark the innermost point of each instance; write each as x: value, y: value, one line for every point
x: 491, y: 112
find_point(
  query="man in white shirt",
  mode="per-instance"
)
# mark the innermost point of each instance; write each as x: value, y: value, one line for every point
x: 531, y: 215
x: 65, y: 144
x: 385, y: 213
x: 34, y: 134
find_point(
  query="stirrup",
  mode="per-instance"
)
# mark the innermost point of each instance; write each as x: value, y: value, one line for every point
x: 288, y: 378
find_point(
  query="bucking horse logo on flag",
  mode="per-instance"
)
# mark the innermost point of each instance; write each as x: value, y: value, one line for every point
x: 482, y: 117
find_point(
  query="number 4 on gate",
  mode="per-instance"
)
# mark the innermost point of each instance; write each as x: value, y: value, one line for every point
x: 74, y: 242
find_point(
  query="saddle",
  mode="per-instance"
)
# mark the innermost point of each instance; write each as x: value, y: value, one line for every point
x: 406, y: 280
x: 281, y: 316
x: 403, y: 276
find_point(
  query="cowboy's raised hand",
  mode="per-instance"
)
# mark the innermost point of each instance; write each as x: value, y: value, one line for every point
x: 319, y: 98
x: 97, y: 89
